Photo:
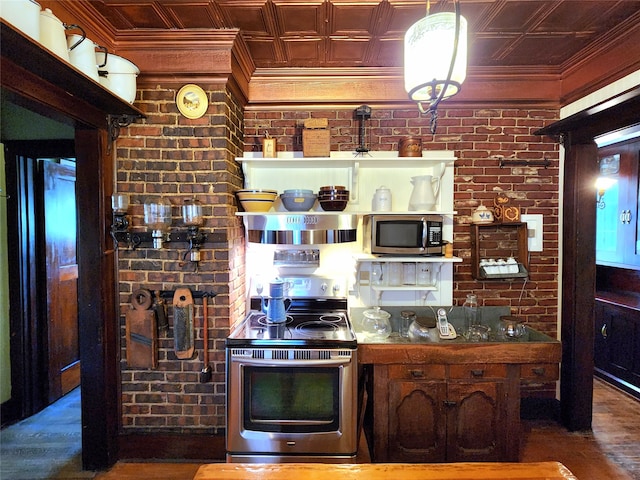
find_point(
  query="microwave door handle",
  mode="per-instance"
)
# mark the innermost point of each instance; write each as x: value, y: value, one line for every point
x: 425, y: 232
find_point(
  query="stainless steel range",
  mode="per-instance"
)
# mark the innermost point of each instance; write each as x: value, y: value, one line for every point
x: 292, y: 384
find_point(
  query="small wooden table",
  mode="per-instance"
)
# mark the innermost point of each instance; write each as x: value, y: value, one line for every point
x: 379, y: 471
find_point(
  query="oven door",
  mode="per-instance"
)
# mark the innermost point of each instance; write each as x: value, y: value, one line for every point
x: 297, y: 402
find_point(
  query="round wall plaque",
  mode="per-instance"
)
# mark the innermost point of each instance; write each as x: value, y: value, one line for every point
x: 192, y: 101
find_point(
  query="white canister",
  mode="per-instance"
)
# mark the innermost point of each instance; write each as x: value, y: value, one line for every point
x: 82, y: 55
x: 119, y: 76
x: 382, y: 200
x: 52, y: 34
x: 22, y: 14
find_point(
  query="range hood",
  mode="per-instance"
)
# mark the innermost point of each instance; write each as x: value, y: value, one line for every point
x: 301, y: 229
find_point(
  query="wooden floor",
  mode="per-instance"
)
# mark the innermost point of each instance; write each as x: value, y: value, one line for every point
x: 37, y: 449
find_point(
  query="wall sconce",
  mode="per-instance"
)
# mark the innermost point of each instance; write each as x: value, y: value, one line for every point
x: 435, y: 59
x: 157, y: 218
x: 193, y: 219
x: 602, y: 185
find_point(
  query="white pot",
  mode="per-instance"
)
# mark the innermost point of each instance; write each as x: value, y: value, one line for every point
x: 82, y: 55
x: 118, y: 75
x: 22, y: 14
x: 52, y: 34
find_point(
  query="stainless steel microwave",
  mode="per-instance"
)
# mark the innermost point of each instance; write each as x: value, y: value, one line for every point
x: 403, y: 234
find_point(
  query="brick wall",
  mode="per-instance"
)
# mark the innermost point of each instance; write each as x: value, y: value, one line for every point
x: 481, y: 138
x: 168, y: 154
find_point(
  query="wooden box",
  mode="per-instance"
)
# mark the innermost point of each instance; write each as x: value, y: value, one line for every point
x: 316, y: 142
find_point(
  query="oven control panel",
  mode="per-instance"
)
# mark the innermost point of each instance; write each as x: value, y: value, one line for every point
x: 304, y: 286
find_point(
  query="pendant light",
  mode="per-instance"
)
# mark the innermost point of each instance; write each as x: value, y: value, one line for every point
x: 435, y: 59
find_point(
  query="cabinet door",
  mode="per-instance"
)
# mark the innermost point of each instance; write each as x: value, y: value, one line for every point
x: 618, y: 344
x: 417, y: 426
x: 476, y: 427
x: 617, y: 226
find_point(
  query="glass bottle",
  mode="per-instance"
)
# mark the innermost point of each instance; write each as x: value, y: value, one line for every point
x: 470, y: 309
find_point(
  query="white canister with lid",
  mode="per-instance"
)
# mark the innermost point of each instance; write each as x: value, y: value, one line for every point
x: 52, y: 34
x: 382, y: 200
x: 22, y: 14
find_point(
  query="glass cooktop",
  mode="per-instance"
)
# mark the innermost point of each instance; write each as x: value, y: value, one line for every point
x: 318, y: 329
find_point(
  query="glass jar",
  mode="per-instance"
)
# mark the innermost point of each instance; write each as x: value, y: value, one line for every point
x: 375, y: 324
x: 407, y: 317
x: 423, y: 329
x: 470, y: 309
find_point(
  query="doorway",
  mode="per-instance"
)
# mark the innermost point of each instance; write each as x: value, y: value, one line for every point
x: 43, y: 268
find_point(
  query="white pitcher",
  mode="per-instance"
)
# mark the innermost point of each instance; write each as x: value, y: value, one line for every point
x: 424, y: 193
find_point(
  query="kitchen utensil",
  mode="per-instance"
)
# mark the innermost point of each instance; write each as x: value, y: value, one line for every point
x: 298, y: 201
x: 423, y: 329
x: 395, y: 274
x: 140, y: 332
x: 333, y: 205
x: 375, y: 324
x: 118, y: 75
x: 24, y: 15
x: 161, y: 314
x: 470, y: 310
x: 183, y: 334
x: 256, y: 200
x: 410, y: 147
x: 478, y: 333
x: 424, y: 193
x: 82, y: 55
x: 482, y: 215
x: 407, y: 317
x: 510, y: 327
x: 205, y: 373
x: 52, y: 33
x: 382, y: 200
x: 276, y: 306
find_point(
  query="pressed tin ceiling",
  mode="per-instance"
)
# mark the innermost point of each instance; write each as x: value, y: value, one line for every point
x: 560, y: 49
x: 344, y: 33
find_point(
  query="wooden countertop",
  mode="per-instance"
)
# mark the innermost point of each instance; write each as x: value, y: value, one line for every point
x: 456, y: 353
x: 379, y: 471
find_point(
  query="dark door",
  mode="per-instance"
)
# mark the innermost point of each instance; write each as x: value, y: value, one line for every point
x: 59, y: 210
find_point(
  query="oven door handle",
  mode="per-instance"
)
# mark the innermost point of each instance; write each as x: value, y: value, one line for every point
x: 267, y: 362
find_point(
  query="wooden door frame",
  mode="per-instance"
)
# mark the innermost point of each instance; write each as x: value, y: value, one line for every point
x: 97, y: 314
x: 578, y: 133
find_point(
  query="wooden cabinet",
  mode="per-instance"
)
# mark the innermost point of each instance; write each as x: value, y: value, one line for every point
x: 617, y: 345
x: 499, y: 241
x: 445, y: 413
x: 617, y: 226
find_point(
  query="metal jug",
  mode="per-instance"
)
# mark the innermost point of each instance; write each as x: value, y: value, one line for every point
x: 424, y: 193
x: 276, y: 306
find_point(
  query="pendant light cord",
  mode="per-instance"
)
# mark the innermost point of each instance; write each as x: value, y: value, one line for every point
x: 433, y: 112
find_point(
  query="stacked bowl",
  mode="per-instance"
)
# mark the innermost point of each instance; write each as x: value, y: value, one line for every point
x: 298, y: 200
x: 333, y: 198
x: 256, y: 200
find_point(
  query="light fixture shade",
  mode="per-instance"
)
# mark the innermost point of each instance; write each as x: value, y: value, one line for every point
x: 157, y: 213
x: 428, y: 48
x: 192, y: 213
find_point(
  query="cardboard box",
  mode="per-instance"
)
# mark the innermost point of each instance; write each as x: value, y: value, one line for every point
x: 316, y: 142
x: 316, y: 123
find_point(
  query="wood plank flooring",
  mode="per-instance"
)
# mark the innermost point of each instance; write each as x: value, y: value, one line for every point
x: 47, y: 446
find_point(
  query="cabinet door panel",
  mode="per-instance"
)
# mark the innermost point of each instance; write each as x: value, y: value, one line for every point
x: 417, y: 428
x: 617, y: 226
x: 476, y: 428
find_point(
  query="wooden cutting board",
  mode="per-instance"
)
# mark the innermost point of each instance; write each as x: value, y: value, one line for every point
x: 183, y: 328
x: 141, y: 332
